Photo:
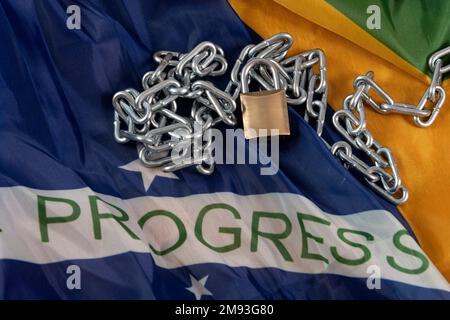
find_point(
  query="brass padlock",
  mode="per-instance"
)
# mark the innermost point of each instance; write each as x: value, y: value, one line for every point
x: 265, y: 109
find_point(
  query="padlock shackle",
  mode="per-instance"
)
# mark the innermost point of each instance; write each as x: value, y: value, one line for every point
x: 245, y: 74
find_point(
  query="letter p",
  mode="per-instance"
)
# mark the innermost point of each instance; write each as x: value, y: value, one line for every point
x: 45, y: 220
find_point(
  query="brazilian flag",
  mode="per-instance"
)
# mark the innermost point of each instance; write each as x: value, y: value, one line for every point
x: 81, y: 217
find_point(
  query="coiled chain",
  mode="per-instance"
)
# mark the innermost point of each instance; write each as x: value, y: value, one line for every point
x: 150, y: 117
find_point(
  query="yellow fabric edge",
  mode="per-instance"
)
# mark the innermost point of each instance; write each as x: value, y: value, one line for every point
x: 320, y: 11
x: 417, y: 159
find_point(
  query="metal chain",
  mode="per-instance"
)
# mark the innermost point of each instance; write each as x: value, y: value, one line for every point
x: 150, y: 117
x: 379, y: 170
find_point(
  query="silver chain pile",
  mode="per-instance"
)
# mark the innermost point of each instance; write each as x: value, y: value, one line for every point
x: 152, y: 121
x: 151, y: 118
